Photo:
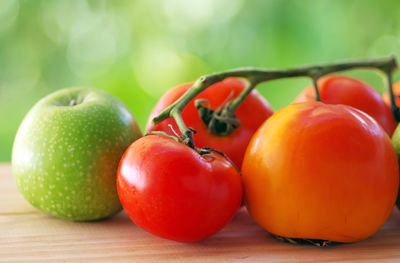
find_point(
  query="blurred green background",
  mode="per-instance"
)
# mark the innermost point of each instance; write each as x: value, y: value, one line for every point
x: 137, y: 50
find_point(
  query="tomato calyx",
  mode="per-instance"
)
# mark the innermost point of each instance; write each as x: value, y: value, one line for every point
x: 202, y: 151
x: 221, y: 121
x: 305, y: 241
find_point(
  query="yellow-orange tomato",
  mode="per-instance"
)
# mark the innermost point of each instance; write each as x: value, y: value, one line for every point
x: 396, y: 92
x: 320, y: 171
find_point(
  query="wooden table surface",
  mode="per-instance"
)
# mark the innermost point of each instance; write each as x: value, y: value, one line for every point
x: 27, y: 235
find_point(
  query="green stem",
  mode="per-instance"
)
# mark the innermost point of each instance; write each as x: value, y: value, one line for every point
x: 314, y: 72
x: 255, y: 76
x: 315, y: 85
x: 187, y: 134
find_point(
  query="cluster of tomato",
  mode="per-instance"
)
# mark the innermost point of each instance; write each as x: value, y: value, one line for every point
x: 314, y: 170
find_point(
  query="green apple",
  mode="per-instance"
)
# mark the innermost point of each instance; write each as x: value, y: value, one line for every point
x: 67, y: 150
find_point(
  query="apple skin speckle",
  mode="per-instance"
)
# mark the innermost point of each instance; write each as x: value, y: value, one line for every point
x: 65, y: 158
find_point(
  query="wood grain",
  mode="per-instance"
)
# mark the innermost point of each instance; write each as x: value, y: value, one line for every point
x: 27, y: 235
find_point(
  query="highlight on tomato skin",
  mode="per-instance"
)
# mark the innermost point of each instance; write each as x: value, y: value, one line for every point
x: 251, y: 113
x: 339, y: 89
x: 320, y: 171
x: 173, y: 192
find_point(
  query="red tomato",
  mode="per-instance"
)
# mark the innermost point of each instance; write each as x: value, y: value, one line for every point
x: 251, y: 113
x: 171, y: 191
x: 338, y: 89
x: 319, y: 171
x: 396, y: 91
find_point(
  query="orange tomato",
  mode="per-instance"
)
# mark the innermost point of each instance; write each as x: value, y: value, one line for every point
x: 320, y: 171
x: 396, y: 91
x: 338, y: 89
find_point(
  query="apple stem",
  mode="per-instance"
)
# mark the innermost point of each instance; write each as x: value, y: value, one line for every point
x: 256, y: 76
x: 72, y: 103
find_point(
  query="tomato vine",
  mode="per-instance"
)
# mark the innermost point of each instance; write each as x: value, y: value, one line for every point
x: 224, y: 117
